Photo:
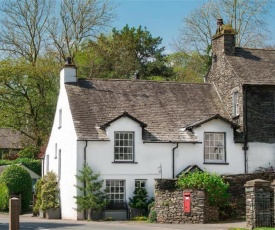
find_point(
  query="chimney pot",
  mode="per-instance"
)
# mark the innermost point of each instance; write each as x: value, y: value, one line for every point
x: 219, y: 22
x: 68, y: 61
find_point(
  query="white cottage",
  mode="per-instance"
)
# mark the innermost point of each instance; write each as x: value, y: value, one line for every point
x: 134, y: 131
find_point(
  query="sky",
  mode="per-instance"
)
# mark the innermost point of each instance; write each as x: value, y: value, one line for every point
x: 161, y: 17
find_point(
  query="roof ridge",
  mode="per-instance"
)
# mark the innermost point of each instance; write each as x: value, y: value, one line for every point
x: 248, y: 48
x: 160, y: 82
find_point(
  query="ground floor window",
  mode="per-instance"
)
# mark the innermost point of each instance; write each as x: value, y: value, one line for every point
x: 140, y: 183
x: 116, y: 190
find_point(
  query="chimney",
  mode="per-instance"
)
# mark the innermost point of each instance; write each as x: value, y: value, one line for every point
x: 68, y: 73
x: 223, y: 42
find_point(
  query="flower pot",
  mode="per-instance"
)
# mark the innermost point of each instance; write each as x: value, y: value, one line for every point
x: 53, y: 213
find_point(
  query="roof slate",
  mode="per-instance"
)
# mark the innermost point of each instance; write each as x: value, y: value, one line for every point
x: 254, y: 66
x: 11, y: 139
x: 165, y: 107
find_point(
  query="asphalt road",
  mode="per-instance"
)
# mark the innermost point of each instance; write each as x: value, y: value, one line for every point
x: 36, y: 223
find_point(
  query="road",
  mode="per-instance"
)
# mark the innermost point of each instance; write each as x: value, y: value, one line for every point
x: 36, y: 223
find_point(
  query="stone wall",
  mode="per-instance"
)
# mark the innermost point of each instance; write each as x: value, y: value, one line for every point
x: 169, y: 205
x: 260, y: 100
x: 237, y: 189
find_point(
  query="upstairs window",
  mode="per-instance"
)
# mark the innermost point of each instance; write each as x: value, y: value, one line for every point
x: 214, y: 147
x: 235, y: 104
x: 124, y: 146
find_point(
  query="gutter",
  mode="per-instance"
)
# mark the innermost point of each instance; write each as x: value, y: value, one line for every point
x: 173, y: 160
x: 84, y: 184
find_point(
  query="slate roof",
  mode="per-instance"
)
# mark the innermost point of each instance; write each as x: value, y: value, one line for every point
x: 254, y: 66
x: 163, y: 108
x: 11, y: 139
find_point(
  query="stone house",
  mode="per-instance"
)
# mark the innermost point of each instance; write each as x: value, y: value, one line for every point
x: 133, y: 131
x: 244, y: 80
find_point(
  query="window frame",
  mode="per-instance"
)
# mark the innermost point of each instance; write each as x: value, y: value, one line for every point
x: 141, y: 181
x: 112, y: 184
x: 124, y: 147
x: 235, y: 104
x: 60, y: 118
x: 215, y: 161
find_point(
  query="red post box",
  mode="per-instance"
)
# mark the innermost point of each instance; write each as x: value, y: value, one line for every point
x: 186, y: 202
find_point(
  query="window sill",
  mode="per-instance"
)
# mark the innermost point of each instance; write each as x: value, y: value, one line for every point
x: 215, y: 163
x: 59, y: 127
x: 235, y: 117
x: 124, y: 162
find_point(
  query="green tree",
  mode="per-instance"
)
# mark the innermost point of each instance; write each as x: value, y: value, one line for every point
x: 28, y: 97
x: 18, y: 181
x: 124, y: 53
x: 91, y: 197
x: 189, y: 67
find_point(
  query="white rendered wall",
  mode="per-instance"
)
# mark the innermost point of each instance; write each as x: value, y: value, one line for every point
x: 65, y: 138
x: 188, y: 154
x: 260, y: 155
x: 149, y: 156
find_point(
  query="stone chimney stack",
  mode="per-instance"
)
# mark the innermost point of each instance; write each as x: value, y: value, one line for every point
x: 68, y: 74
x: 223, y: 42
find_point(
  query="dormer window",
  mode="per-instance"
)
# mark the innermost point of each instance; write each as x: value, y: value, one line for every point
x: 235, y: 104
x: 124, y: 146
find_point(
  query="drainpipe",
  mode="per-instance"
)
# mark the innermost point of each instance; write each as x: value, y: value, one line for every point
x: 245, y: 146
x: 173, y: 160
x: 84, y: 185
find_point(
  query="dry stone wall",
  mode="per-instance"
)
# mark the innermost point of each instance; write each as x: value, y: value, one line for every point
x: 169, y: 205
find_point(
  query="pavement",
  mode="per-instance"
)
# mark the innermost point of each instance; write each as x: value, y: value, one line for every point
x: 27, y: 218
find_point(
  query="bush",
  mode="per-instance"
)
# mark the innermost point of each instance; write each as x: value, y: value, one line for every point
x: 4, y: 197
x: 49, y: 192
x: 139, y: 200
x: 37, y: 192
x: 212, y: 183
x: 32, y: 164
x: 18, y: 181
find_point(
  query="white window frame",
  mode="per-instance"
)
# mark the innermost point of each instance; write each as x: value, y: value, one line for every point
x: 235, y: 102
x: 124, y: 146
x: 214, y: 147
x: 116, y: 190
x: 141, y: 183
x: 60, y: 118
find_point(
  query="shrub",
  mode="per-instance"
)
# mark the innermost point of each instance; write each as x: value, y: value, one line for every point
x: 18, y: 181
x: 4, y: 197
x: 139, y: 200
x: 212, y: 183
x: 49, y: 192
x: 37, y: 192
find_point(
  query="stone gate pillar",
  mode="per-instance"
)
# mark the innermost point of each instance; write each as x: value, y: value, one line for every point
x: 259, y: 200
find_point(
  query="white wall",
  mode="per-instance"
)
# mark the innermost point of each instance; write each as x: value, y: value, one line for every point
x: 149, y: 156
x: 260, y: 155
x: 65, y: 139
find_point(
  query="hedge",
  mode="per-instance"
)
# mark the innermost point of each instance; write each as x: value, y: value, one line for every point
x: 32, y: 164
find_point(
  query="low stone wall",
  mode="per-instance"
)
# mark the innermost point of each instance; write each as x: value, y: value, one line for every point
x: 169, y: 205
x: 237, y: 190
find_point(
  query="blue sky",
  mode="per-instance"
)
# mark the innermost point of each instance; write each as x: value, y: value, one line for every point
x: 161, y: 17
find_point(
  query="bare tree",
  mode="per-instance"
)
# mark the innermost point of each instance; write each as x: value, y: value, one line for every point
x: 248, y: 17
x: 78, y: 22
x: 22, y: 27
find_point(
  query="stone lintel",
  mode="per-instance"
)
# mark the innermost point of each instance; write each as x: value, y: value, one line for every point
x: 257, y: 183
